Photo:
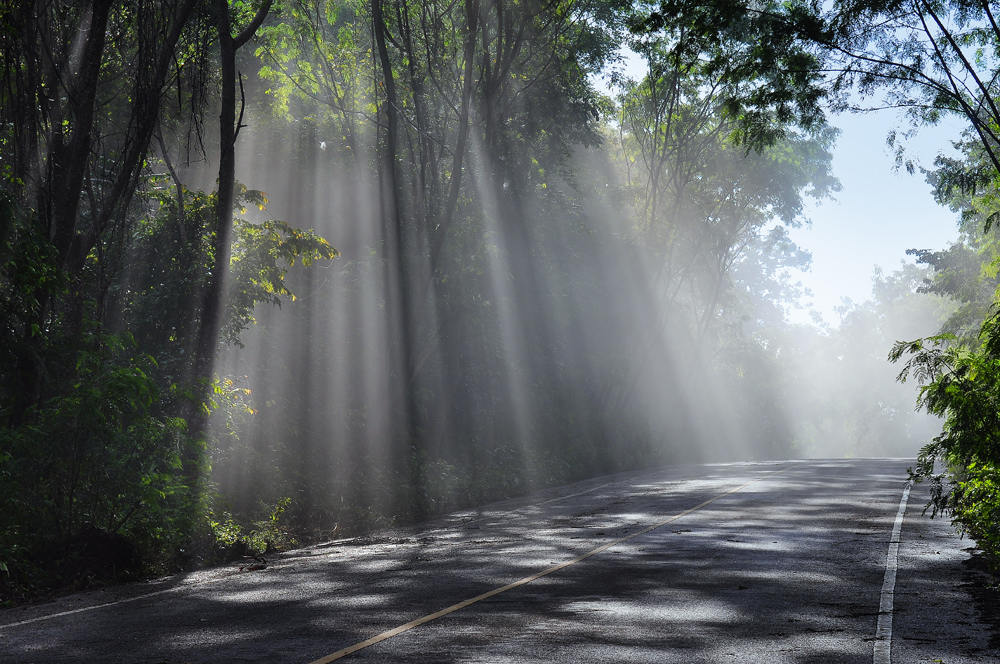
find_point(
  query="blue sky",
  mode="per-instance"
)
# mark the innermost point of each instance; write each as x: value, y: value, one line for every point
x: 879, y: 214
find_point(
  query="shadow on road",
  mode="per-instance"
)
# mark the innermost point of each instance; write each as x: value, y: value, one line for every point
x: 788, y: 569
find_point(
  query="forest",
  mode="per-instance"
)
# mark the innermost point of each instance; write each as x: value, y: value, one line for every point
x: 273, y: 271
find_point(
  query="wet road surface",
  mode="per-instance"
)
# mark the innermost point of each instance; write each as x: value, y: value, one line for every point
x: 780, y: 562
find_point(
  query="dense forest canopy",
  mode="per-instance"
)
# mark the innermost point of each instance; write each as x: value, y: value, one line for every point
x: 533, y: 281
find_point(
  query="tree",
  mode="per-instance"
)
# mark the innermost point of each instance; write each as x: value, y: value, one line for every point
x: 929, y: 57
x: 84, y: 108
x: 722, y: 137
x: 934, y: 58
x: 215, y: 291
x: 114, y: 294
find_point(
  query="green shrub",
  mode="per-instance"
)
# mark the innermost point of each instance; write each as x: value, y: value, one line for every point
x: 976, y: 507
x: 233, y: 539
x: 97, y: 466
x: 961, y: 385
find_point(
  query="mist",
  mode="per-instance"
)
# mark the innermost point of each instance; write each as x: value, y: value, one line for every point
x: 567, y: 327
x: 420, y: 262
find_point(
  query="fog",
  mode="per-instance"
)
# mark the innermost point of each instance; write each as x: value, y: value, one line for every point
x: 279, y: 271
x: 560, y: 336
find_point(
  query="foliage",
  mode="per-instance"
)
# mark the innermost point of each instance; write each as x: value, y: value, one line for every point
x: 30, y: 281
x: 262, y: 255
x: 314, y: 61
x: 975, y: 504
x: 233, y: 539
x: 718, y: 147
x: 751, y: 55
x: 959, y: 370
x: 966, y: 271
x: 962, y: 386
x: 102, y: 456
x: 722, y: 137
x: 105, y: 277
x: 510, y: 317
x: 100, y: 470
x: 929, y: 58
x: 173, y: 275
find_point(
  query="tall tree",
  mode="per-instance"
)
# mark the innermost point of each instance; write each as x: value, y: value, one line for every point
x: 723, y: 136
x: 215, y: 291
x: 85, y: 103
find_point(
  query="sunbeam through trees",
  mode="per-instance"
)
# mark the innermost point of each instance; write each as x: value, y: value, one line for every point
x: 536, y: 279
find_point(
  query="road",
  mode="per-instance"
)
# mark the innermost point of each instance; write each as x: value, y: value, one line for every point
x: 771, y: 562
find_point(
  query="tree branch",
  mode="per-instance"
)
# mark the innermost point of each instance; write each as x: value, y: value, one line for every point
x: 243, y: 106
x: 258, y: 19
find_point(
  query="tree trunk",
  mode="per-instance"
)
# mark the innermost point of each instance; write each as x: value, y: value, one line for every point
x: 68, y: 160
x: 461, y: 144
x: 400, y: 278
x: 213, y: 305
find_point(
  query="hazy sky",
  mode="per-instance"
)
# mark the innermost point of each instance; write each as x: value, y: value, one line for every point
x: 879, y: 214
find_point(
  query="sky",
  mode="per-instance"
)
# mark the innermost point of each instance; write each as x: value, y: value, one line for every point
x: 879, y: 214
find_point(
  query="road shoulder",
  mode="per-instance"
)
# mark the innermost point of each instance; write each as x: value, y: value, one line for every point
x: 945, y: 609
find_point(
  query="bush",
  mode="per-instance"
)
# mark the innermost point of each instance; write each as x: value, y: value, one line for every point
x: 976, y: 507
x: 94, y: 475
x: 233, y: 539
x: 961, y: 385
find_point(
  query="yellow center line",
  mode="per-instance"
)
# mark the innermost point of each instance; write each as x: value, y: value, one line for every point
x: 361, y: 645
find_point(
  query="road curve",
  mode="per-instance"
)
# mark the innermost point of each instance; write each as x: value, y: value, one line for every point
x: 772, y: 562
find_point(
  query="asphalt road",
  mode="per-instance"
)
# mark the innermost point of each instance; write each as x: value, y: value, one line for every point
x: 788, y: 568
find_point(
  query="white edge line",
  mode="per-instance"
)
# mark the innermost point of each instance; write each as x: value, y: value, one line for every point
x: 882, y: 651
x: 94, y: 606
x: 183, y: 586
x: 60, y: 614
